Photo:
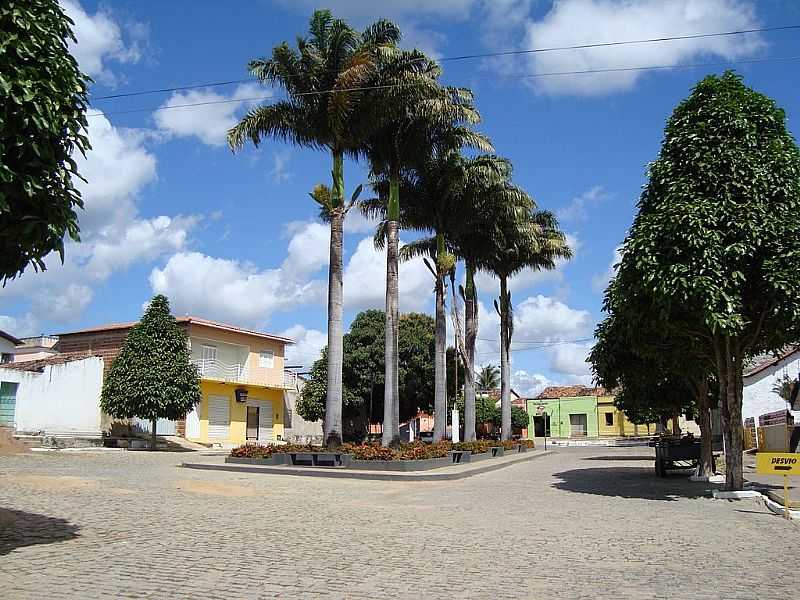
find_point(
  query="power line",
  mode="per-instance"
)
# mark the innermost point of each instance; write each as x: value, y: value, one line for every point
x: 488, y: 55
x: 531, y: 76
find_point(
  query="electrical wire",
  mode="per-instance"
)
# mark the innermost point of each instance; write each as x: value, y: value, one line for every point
x: 485, y: 55
x: 376, y: 87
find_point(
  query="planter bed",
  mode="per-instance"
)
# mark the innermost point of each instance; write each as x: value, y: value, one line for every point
x: 425, y: 464
x: 297, y: 459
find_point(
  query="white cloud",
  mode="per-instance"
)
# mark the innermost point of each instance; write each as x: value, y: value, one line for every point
x: 116, y: 169
x: 355, y: 222
x: 365, y: 281
x: 527, y: 278
x: 390, y: 9
x: 537, y: 320
x: 279, y: 173
x: 210, y: 123
x: 601, y: 280
x: 65, y: 306
x: 309, y: 249
x: 529, y: 385
x: 230, y: 290
x: 577, y: 210
x: 100, y: 40
x: 307, y: 347
x: 541, y: 318
x: 587, y: 21
x: 23, y: 326
x: 113, y: 236
x: 569, y: 360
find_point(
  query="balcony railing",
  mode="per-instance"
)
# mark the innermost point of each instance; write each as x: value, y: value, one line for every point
x: 216, y: 369
x: 240, y: 373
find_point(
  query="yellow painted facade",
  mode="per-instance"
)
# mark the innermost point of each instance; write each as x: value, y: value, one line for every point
x: 237, y: 430
x: 238, y: 363
x: 617, y: 424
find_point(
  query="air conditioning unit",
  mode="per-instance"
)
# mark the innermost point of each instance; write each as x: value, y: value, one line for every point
x: 241, y: 395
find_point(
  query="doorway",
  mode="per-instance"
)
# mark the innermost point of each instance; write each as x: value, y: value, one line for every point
x: 252, y: 422
x: 577, y: 425
x: 541, y: 426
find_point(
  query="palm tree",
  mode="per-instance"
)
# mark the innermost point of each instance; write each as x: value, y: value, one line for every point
x: 531, y: 241
x: 489, y: 202
x: 440, y: 198
x: 489, y: 377
x: 412, y: 110
x: 324, y: 79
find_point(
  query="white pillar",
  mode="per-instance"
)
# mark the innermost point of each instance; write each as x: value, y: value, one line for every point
x: 454, y: 426
x: 411, y: 430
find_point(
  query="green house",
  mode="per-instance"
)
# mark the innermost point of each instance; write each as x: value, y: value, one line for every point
x: 564, y: 412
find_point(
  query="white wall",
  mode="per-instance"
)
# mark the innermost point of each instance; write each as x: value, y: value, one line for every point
x: 63, y: 400
x: 758, y: 397
x: 7, y: 347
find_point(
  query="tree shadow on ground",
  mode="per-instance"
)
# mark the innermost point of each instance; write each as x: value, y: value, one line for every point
x: 19, y: 528
x: 625, y: 457
x: 632, y: 482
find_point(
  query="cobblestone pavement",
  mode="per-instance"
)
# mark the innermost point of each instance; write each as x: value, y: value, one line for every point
x: 581, y: 523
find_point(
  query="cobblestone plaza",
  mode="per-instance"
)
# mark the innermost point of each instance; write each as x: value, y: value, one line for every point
x: 579, y: 523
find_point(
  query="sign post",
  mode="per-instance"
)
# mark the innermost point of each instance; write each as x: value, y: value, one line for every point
x: 779, y: 463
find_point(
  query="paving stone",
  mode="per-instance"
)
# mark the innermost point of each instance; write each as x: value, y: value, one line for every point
x: 581, y: 523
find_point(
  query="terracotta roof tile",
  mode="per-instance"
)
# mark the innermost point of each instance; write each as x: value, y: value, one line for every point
x: 762, y: 363
x: 188, y: 320
x: 571, y: 391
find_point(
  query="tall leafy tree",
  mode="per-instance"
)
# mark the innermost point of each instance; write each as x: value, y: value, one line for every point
x: 716, y: 235
x: 152, y: 377
x: 42, y: 127
x: 529, y: 240
x: 364, y: 371
x: 411, y: 109
x: 323, y: 79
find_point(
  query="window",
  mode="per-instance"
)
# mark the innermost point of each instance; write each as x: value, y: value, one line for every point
x: 266, y: 359
x: 609, y: 419
x: 6, y: 358
x: 209, y: 353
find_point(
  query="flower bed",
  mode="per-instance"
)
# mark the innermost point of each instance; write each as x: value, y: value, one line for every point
x: 256, y: 451
x: 374, y: 452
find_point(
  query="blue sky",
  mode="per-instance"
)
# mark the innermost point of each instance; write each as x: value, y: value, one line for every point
x: 170, y: 210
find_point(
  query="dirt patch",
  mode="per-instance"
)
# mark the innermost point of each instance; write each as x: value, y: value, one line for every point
x: 214, y: 488
x: 8, y: 445
x: 55, y: 483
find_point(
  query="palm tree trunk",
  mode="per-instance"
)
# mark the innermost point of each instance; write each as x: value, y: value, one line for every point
x: 440, y: 364
x: 470, y: 336
x: 333, y: 400
x: 391, y: 399
x: 505, y: 366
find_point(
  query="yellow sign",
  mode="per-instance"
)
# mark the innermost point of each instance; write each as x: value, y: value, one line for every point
x: 777, y: 463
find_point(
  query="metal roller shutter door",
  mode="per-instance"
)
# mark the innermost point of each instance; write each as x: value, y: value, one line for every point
x: 219, y: 417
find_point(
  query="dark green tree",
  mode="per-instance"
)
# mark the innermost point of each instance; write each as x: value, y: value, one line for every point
x: 716, y: 235
x: 152, y: 377
x: 42, y: 127
x: 363, y: 372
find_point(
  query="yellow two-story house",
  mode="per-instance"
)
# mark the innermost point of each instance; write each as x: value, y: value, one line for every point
x: 242, y: 379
